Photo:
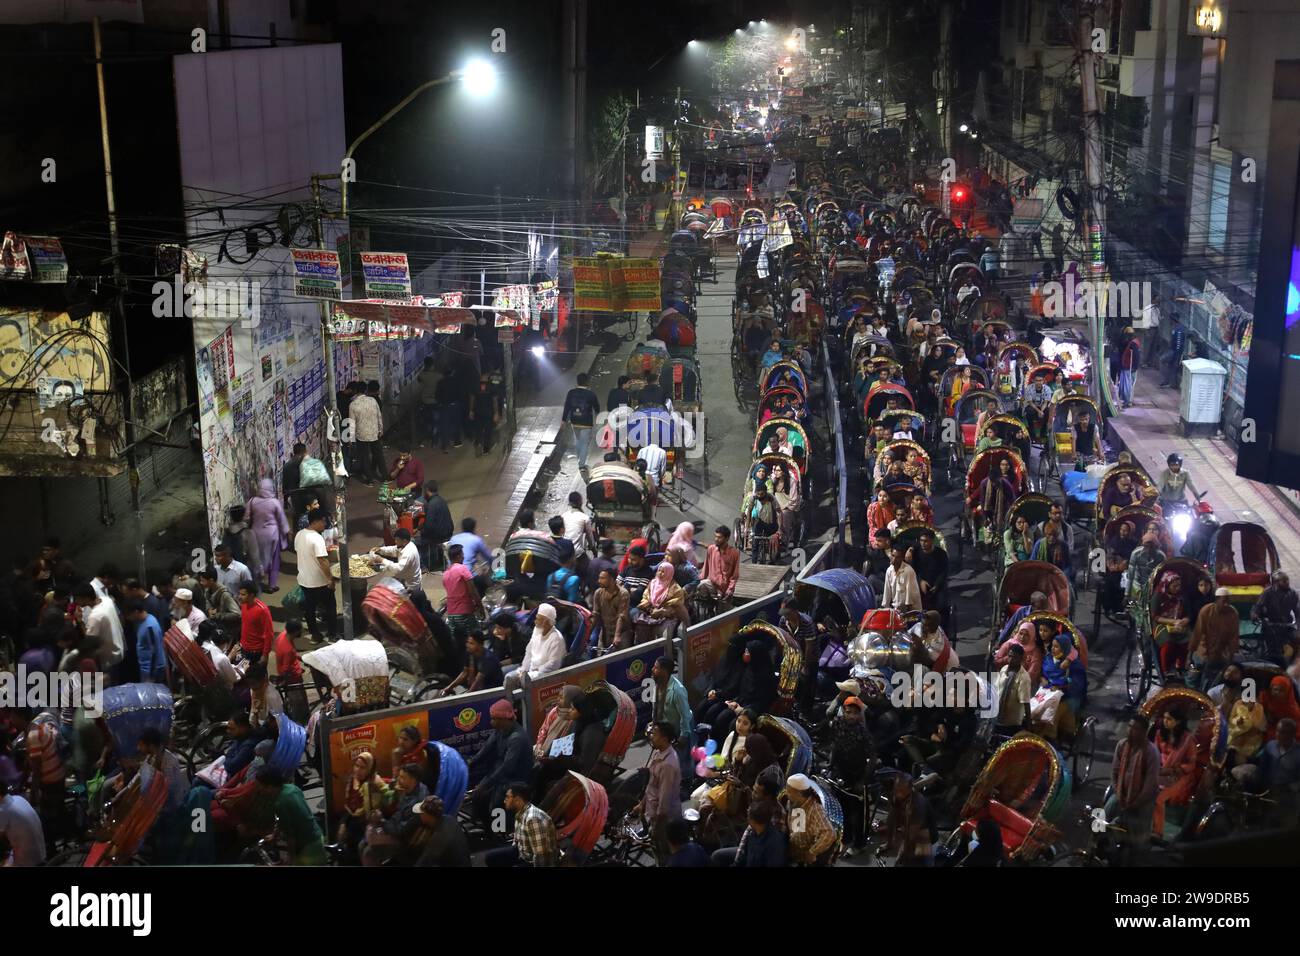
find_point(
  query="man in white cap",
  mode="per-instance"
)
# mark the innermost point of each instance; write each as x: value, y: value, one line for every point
x: 811, y: 833
x: 545, y: 650
x: 183, y: 609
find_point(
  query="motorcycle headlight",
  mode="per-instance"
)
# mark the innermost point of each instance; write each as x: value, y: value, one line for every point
x: 1182, y: 524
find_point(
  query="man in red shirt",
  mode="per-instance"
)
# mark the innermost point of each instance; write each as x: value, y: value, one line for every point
x: 288, y: 664
x: 721, y: 569
x: 255, y: 630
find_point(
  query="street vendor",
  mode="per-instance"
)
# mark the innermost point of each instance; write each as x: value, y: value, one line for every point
x: 407, y: 473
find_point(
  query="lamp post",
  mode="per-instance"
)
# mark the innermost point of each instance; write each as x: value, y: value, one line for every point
x: 479, y: 77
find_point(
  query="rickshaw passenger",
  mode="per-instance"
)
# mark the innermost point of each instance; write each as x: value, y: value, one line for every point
x: 1179, y: 769
x: 1142, y: 564
x: 771, y: 356
x: 1051, y: 547
x: 1038, y: 398
x: 507, y: 756
x: 1172, y: 624
x: 931, y: 566
x: 545, y: 651
x: 748, y: 676
x: 1215, y: 639
x: 813, y: 838
x: 1017, y: 541
x: 1117, y: 558
x: 661, y: 607
x: 1064, y: 671
x: 636, y: 573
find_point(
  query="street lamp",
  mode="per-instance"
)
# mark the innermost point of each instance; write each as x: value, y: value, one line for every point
x: 963, y: 128
x: 480, y: 79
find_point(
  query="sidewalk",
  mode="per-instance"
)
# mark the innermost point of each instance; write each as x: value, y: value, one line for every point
x: 1150, y: 430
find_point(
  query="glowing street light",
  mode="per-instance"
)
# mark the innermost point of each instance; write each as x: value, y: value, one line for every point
x: 479, y: 77
x: 963, y: 128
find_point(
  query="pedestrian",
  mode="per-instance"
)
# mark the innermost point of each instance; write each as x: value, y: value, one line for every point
x: 1215, y: 639
x: 483, y: 415
x: 464, y: 604
x: 989, y: 263
x: 662, y: 801
x: 619, y: 396
x: 477, y: 555
x: 581, y: 406
x: 448, y: 397
x: 1130, y: 360
x: 316, y: 579
x: 1174, y: 355
x: 151, y: 655
x: 256, y: 633
x: 271, y: 528
x: 577, y: 525
x: 1134, y: 784
x: 427, y: 381
x: 368, y: 430
x: 437, y: 527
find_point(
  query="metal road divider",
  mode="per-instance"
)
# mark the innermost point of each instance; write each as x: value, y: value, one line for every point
x: 835, y: 423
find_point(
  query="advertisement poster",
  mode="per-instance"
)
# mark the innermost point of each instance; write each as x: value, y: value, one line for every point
x: 13, y: 257
x: 591, y: 288
x: 317, y: 274
x: 221, y: 350
x: 637, y: 287
x: 387, y: 275
x: 48, y: 263
x: 706, y: 643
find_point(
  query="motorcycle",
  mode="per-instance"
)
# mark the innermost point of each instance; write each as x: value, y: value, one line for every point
x: 1194, y: 527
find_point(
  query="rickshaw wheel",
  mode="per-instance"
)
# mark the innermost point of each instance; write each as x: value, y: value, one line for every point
x: 1085, y: 745
x: 1135, y: 672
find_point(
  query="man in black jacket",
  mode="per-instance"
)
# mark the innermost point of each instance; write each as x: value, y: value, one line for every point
x: 437, y: 528
x: 581, y: 406
x: 931, y: 566
x: 873, y: 569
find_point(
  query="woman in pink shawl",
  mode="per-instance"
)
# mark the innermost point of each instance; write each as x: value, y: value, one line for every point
x: 1026, y: 635
x: 662, y: 605
x: 683, y: 539
x: 265, y: 515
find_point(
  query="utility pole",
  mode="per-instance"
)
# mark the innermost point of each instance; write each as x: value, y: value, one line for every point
x: 132, y: 458
x: 333, y: 425
x: 1094, y: 167
x: 945, y: 76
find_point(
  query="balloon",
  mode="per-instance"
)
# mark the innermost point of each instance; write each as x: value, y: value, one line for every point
x: 717, y: 761
x: 698, y: 754
x: 711, y: 747
x: 702, y: 770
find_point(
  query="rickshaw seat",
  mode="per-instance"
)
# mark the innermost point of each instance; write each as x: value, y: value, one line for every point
x: 968, y: 435
x: 1013, y: 608
x: 1242, y: 579
x: 1014, y: 825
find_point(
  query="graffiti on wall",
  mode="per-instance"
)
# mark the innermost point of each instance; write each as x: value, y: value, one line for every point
x: 54, y: 347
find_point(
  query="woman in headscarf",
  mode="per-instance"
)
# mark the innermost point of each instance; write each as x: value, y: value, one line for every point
x: 730, y: 800
x: 587, y: 728
x: 558, y: 721
x: 683, y: 537
x: 726, y: 681
x: 365, y: 793
x: 785, y: 492
x: 1180, y: 771
x: 997, y: 492
x: 1063, y: 670
x: 720, y: 794
x: 661, y: 604
x: 1280, y: 702
x: 270, y: 528
x: 1172, y: 628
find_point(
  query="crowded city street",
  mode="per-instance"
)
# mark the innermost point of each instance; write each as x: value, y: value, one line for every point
x: 835, y: 445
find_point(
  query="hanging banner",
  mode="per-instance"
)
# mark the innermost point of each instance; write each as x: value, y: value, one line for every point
x: 45, y: 255
x: 516, y: 298
x: 387, y: 275
x: 591, y: 288
x: 318, y: 274
x: 13, y: 257
x: 546, y: 295
x: 635, y: 285
x: 654, y: 142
